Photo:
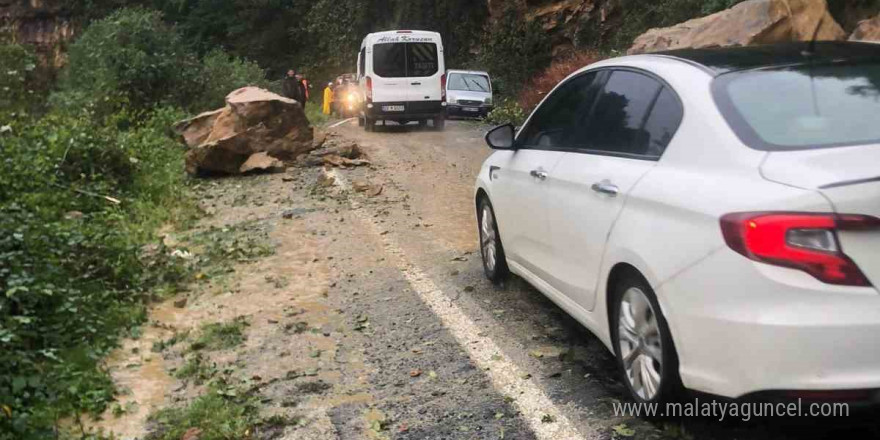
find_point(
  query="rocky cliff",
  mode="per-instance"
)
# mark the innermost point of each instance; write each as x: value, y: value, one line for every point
x: 42, y: 24
x: 614, y: 24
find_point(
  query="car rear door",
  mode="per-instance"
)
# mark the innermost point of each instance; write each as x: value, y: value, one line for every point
x: 390, y: 82
x: 424, y: 67
x: 520, y: 177
x: 619, y: 141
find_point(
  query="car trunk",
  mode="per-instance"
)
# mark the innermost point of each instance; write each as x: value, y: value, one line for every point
x: 850, y: 178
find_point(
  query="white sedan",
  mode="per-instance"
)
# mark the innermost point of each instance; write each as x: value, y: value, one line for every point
x: 713, y: 216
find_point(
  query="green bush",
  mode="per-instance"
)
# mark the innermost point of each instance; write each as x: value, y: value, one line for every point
x: 507, y: 111
x: 513, y: 50
x: 72, y: 271
x: 221, y: 74
x: 17, y: 94
x: 131, y: 59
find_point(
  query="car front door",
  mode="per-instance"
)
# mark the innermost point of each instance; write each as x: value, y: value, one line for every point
x: 633, y: 120
x: 520, y: 177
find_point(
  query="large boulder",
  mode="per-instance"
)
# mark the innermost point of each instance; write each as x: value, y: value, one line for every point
x: 254, y: 122
x: 748, y: 23
x: 867, y: 30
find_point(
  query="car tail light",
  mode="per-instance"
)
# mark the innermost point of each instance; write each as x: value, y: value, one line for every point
x: 802, y: 241
x: 443, y: 87
x: 369, y: 89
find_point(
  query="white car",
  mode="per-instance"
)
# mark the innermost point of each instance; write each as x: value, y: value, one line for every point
x: 713, y: 216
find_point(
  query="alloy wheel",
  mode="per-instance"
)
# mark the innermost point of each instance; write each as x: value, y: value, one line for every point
x: 640, y: 343
x: 488, y: 238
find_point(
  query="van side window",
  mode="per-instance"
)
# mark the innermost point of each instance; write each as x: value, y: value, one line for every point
x: 362, y: 61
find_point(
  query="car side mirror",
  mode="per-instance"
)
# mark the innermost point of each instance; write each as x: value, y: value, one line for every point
x: 501, y: 137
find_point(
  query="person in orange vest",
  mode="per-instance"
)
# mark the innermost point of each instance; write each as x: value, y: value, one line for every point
x: 328, y: 99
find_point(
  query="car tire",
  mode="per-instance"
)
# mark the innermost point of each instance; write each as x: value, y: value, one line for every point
x: 646, y: 357
x: 360, y: 121
x: 370, y: 124
x: 491, y: 248
x: 423, y: 123
x: 440, y: 123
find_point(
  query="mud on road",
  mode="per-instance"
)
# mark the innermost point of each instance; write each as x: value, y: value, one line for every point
x: 371, y: 317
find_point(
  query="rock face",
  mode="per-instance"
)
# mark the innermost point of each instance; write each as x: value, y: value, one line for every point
x: 867, y: 30
x: 41, y: 24
x: 256, y: 130
x: 748, y: 23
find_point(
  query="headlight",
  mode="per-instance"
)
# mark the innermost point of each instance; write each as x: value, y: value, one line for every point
x: 488, y: 100
x: 351, y: 97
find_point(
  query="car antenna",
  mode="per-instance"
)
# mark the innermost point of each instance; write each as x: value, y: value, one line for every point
x: 810, y: 52
x: 811, y: 48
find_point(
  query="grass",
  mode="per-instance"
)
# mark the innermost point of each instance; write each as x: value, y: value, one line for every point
x: 219, y: 417
x: 315, y: 115
x: 160, y: 346
x: 221, y: 335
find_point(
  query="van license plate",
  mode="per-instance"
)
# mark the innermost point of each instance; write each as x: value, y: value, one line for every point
x: 471, y: 109
x: 392, y: 108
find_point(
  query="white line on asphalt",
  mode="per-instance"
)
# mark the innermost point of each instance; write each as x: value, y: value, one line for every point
x: 342, y: 122
x: 529, y: 399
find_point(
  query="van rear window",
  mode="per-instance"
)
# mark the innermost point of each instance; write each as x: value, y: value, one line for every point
x: 399, y: 60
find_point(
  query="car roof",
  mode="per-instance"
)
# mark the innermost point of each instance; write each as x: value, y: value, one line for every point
x: 718, y: 61
x: 475, y: 72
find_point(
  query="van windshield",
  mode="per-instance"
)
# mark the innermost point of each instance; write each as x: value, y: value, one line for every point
x: 400, y: 60
x: 469, y: 82
x: 803, y: 107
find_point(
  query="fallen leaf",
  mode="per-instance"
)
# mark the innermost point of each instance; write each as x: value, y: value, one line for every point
x: 623, y: 430
x: 415, y: 373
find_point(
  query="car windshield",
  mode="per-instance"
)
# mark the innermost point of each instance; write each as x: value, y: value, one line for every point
x: 472, y: 82
x: 804, y: 106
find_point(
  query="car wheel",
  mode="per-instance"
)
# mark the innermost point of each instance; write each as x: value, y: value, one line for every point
x: 360, y: 121
x: 440, y: 123
x: 370, y: 124
x: 423, y: 123
x: 642, y: 343
x: 494, y: 260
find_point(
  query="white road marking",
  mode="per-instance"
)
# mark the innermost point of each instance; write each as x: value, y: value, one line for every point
x: 507, y: 378
x: 342, y: 122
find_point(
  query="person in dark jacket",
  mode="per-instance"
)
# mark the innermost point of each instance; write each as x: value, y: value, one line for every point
x: 292, y: 88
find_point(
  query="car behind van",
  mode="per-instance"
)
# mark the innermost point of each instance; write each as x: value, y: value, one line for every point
x: 402, y: 76
x: 469, y: 94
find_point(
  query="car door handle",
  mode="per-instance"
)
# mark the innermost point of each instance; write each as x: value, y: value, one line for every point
x: 606, y: 187
x: 539, y: 174
x: 415, y: 84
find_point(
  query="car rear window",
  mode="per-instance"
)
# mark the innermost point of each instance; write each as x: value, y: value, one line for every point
x: 400, y: 60
x: 804, y: 106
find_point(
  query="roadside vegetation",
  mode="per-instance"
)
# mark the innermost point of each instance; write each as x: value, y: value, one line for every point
x: 85, y: 182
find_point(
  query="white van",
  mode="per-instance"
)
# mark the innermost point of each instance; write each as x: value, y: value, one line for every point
x: 402, y: 76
